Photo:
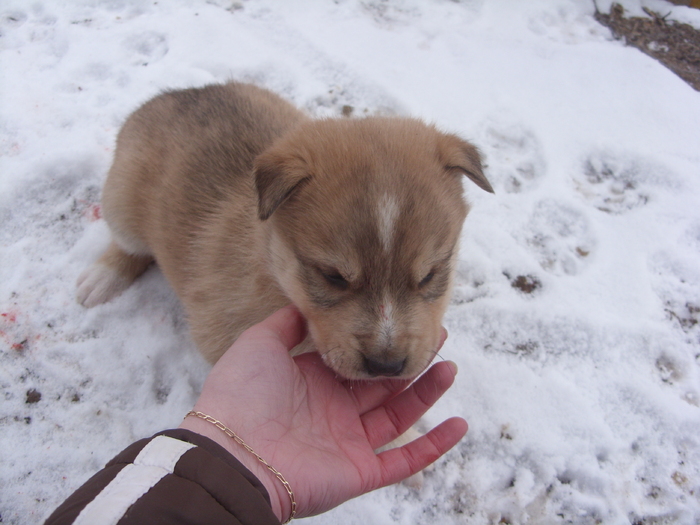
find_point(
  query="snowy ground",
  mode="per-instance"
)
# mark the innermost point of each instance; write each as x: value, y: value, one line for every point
x: 575, y: 316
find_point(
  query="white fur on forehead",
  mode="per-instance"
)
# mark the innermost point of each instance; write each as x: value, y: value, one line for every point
x: 387, y: 322
x: 387, y: 215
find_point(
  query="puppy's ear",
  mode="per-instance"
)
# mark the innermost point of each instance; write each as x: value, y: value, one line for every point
x: 459, y: 155
x: 277, y: 177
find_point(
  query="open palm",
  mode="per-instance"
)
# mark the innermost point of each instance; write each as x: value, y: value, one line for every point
x: 318, y: 430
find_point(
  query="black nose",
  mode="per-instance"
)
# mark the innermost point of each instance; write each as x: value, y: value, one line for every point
x: 384, y: 368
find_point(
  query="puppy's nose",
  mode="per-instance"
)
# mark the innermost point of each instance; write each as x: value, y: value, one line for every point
x: 384, y: 368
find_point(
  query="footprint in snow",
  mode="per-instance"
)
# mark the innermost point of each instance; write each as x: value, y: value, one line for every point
x: 148, y: 46
x: 64, y: 197
x: 469, y: 284
x: 390, y: 15
x: 513, y: 156
x: 676, y: 281
x: 12, y: 19
x: 676, y: 370
x: 617, y: 183
x: 560, y: 237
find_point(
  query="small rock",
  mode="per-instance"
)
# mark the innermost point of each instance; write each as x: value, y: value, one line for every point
x: 33, y: 396
x: 526, y: 283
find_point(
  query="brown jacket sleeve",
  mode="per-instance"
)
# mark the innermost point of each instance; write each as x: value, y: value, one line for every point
x: 176, y: 476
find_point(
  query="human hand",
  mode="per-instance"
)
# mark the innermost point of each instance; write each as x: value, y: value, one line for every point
x: 318, y: 430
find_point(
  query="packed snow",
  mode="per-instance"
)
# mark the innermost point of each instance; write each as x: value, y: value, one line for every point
x: 575, y: 314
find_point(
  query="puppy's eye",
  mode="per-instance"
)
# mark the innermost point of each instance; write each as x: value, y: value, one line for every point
x: 336, y: 280
x: 426, y: 279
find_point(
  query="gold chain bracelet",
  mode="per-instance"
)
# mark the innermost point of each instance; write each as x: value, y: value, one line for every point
x: 230, y: 433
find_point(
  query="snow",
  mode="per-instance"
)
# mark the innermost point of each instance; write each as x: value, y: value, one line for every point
x: 575, y: 316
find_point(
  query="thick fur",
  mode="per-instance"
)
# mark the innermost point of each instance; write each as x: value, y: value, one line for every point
x: 246, y: 204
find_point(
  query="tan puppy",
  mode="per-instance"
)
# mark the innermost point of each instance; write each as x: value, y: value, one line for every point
x: 246, y: 204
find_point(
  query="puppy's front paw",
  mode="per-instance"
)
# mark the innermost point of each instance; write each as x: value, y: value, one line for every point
x: 415, y: 481
x: 98, y: 284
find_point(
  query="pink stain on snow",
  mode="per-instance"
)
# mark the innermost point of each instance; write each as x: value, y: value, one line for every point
x: 94, y: 212
x: 9, y: 316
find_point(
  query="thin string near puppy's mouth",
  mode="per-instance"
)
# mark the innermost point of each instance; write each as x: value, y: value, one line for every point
x: 435, y: 353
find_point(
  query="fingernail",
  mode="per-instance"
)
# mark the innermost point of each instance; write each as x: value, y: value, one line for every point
x: 453, y: 366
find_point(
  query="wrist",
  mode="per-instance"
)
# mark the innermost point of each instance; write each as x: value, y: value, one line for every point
x: 279, y: 498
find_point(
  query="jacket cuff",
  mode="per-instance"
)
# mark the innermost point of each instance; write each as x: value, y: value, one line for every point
x: 177, y: 476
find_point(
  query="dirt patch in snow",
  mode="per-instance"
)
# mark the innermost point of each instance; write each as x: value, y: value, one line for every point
x: 674, y: 44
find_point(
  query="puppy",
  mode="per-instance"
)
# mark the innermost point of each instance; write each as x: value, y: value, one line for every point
x: 246, y: 204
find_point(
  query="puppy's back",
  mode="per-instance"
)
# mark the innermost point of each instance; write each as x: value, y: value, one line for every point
x: 179, y: 156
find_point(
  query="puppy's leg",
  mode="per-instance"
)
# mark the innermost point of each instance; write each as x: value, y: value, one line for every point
x: 110, y: 275
x: 415, y: 481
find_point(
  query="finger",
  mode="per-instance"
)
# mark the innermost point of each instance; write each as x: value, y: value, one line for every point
x: 392, y: 419
x: 400, y: 463
x: 286, y: 327
x: 368, y: 395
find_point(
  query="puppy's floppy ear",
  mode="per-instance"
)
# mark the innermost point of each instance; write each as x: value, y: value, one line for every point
x: 460, y: 155
x: 277, y: 177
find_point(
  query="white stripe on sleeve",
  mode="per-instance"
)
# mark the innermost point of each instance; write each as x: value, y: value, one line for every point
x: 155, y: 461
